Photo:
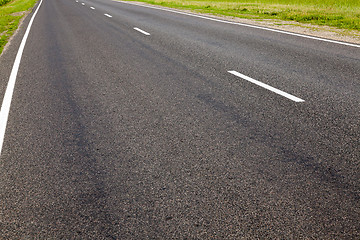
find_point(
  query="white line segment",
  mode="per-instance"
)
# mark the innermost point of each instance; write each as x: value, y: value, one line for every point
x: 142, y: 31
x: 5, y: 107
x: 245, y: 25
x: 108, y: 15
x: 83, y: 4
x: 92, y: 8
x: 268, y: 87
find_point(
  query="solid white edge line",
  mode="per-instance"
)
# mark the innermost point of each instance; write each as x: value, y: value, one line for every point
x: 5, y: 107
x: 108, y: 15
x: 245, y: 25
x: 142, y: 31
x: 268, y: 87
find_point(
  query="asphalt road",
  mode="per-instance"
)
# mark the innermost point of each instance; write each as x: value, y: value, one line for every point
x: 117, y: 134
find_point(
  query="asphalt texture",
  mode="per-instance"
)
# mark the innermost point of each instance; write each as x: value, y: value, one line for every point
x: 113, y: 134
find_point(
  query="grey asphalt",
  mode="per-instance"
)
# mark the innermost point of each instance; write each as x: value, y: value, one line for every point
x: 113, y: 134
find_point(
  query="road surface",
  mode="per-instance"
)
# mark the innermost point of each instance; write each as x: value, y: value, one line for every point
x: 130, y: 122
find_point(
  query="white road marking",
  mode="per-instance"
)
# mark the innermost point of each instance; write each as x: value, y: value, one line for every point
x: 268, y: 87
x: 108, y: 15
x: 246, y: 25
x: 142, y: 31
x: 77, y: 1
x: 92, y: 8
x: 83, y: 4
x: 5, y: 107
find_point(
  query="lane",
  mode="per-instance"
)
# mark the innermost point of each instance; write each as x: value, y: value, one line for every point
x: 305, y: 64
x: 51, y: 186
x: 324, y: 74
x: 113, y: 135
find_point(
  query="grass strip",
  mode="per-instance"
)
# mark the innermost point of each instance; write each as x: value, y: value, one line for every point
x: 10, y: 16
x: 342, y: 14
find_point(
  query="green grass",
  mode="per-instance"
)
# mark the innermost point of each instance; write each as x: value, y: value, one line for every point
x: 11, y: 13
x: 3, y: 2
x: 343, y: 14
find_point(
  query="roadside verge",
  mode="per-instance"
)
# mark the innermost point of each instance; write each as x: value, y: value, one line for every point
x: 12, y: 15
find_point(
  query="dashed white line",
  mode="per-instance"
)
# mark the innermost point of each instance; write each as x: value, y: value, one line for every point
x: 108, y: 15
x: 5, y: 107
x: 83, y: 4
x: 245, y: 25
x: 92, y: 8
x: 268, y: 87
x: 77, y: 1
x: 142, y: 31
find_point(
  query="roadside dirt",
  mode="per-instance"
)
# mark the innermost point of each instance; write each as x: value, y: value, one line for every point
x: 19, y: 13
